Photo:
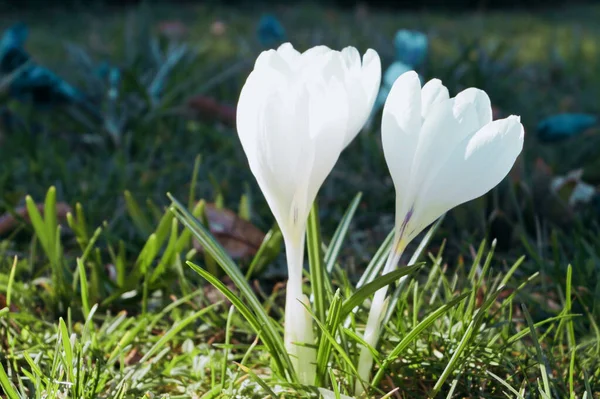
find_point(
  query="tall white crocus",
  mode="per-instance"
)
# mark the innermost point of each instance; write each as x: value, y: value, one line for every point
x: 296, y: 113
x: 441, y: 152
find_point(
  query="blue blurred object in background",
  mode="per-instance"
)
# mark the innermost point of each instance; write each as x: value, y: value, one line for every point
x: 563, y: 126
x: 270, y: 31
x: 411, y: 50
x: 32, y: 82
x: 411, y: 47
x: 12, y: 54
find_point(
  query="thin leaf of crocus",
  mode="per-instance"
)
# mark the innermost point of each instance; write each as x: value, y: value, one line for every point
x: 463, y: 344
x: 413, y: 334
x: 272, y: 236
x: 365, y: 291
x: 327, y: 335
x: 269, y: 334
x: 324, y: 349
x: 377, y: 261
x: 315, y: 262
x: 339, y: 236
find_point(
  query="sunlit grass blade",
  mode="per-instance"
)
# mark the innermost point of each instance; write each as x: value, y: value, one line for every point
x: 67, y: 349
x: 324, y: 349
x: 316, y: 264
x: 328, y: 335
x: 174, y: 330
x: 377, y: 261
x: 413, y: 334
x: 464, y: 342
x: 268, y: 333
x: 365, y: 291
x: 7, y: 386
x: 83, y: 286
x: 340, y: 233
x: 269, y: 247
x: 543, y: 364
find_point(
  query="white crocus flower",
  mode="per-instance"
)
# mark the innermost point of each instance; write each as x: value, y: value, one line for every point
x: 296, y: 113
x: 441, y: 152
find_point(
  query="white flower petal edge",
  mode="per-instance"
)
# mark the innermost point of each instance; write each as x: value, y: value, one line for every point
x: 296, y: 114
x: 441, y: 152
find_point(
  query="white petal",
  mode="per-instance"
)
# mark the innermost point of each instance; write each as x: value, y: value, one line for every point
x: 400, y: 130
x: 289, y: 54
x: 481, y: 104
x: 285, y: 154
x: 447, y: 124
x: 271, y: 60
x: 475, y: 166
x: 330, y: 113
x: 433, y: 93
x: 314, y: 54
x: 351, y: 58
x: 371, y: 74
x: 362, y: 84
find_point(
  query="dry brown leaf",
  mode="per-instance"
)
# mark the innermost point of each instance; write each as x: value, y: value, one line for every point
x: 9, y: 221
x: 239, y: 237
x: 209, y: 108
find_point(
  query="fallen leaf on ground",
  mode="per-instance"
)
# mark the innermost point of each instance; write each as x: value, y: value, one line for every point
x: 239, y: 237
x: 9, y: 221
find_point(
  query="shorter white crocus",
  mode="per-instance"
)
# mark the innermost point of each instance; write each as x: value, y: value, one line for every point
x: 441, y: 152
x: 296, y: 113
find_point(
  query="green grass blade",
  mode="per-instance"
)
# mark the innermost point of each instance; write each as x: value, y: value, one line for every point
x: 269, y: 334
x: 340, y: 233
x: 316, y: 264
x: 324, y: 349
x: 259, y: 381
x: 137, y: 216
x: 11, y: 280
x: 39, y: 227
x: 268, y: 250
x: 83, y: 286
x: 194, y: 181
x: 7, y: 386
x: 66, y: 345
x: 463, y: 344
x: 377, y: 261
x: 174, y: 330
x: 413, y: 334
x: 543, y: 364
x: 365, y: 291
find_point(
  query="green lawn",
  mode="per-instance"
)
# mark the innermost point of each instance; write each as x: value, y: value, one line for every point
x: 106, y: 307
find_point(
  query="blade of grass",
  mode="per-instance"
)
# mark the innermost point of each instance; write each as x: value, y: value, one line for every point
x: 269, y: 334
x: 544, y: 368
x: 324, y: 348
x: 340, y: 233
x: 365, y: 291
x: 316, y: 264
x: 463, y: 344
x: 7, y: 386
x: 413, y: 334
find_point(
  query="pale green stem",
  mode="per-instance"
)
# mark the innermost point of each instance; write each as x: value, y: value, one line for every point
x: 373, y: 327
x: 298, y: 322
